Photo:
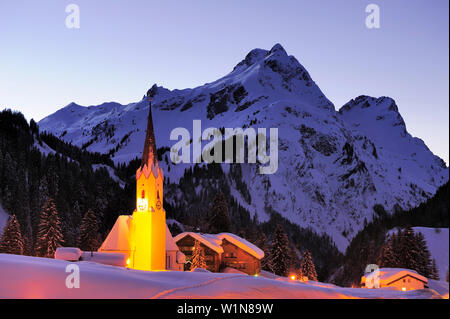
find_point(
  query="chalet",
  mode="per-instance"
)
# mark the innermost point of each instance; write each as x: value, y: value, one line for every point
x: 221, y: 251
x: 396, y: 278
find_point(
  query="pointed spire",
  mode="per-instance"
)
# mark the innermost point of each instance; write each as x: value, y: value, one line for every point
x: 149, y: 155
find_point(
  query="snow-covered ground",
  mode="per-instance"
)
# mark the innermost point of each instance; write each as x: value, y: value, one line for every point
x: 33, y: 277
x: 437, y: 241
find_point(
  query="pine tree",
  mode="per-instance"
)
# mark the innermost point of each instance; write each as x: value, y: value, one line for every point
x: 307, y: 267
x: 293, y: 260
x: 198, y: 257
x: 49, y: 235
x: 387, y: 256
x: 220, y: 220
x: 279, y: 252
x: 406, y: 250
x: 43, y: 191
x: 11, y: 240
x: 9, y: 182
x: 261, y: 243
x: 424, y: 260
x: 27, y: 245
x: 89, y: 232
x: 434, y: 271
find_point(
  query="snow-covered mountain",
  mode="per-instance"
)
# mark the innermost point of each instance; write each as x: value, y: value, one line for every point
x: 333, y: 166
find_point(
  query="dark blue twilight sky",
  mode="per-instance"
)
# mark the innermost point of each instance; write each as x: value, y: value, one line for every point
x: 123, y: 47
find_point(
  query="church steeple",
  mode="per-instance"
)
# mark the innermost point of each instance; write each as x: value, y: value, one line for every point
x: 149, y: 155
x: 149, y: 218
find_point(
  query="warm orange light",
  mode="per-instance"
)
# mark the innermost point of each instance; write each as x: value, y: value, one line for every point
x: 128, y: 261
x: 256, y: 275
x: 403, y: 289
x: 293, y: 277
x: 142, y: 204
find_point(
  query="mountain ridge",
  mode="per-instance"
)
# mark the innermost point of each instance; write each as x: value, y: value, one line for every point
x: 341, y: 163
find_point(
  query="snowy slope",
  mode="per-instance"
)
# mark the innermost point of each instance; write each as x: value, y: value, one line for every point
x: 379, y: 120
x: 33, y: 277
x: 333, y: 166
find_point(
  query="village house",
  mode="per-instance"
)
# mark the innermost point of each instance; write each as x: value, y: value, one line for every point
x: 221, y: 251
x: 396, y: 278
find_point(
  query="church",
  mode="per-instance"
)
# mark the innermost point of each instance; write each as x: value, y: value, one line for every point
x: 143, y: 241
x: 144, y: 238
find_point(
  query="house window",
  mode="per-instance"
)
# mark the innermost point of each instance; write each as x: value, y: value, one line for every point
x: 168, y: 262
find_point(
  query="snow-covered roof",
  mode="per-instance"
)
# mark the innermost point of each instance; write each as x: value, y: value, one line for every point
x: 170, y: 242
x: 390, y: 275
x: 243, y: 244
x: 68, y: 253
x: 206, y: 239
x: 214, y: 241
x: 118, y: 238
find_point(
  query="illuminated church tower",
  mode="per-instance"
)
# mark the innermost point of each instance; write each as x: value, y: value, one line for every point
x: 142, y: 240
x: 149, y: 219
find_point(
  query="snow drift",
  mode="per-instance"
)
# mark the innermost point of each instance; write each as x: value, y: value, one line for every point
x: 33, y: 277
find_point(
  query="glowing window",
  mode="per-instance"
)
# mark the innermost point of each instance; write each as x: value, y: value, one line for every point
x: 142, y: 204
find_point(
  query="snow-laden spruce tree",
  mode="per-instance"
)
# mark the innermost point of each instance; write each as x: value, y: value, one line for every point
x: 261, y: 242
x: 387, y: 256
x: 279, y: 252
x: 409, y: 250
x: 220, y: 220
x: 198, y: 257
x: 434, y: 271
x: 89, y: 232
x: 49, y: 236
x: 307, y: 267
x: 11, y: 241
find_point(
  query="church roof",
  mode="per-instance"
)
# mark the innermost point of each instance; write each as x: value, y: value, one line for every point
x: 119, y: 237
